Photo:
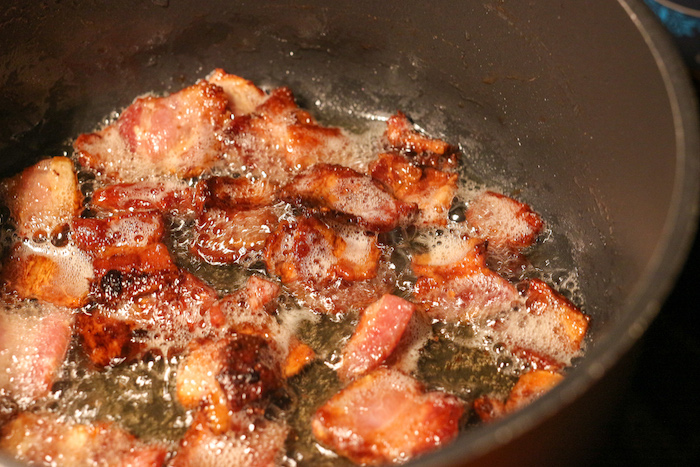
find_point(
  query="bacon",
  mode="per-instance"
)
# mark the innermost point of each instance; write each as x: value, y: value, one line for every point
x: 456, y: 286
x: 529, y: 387
x: 330, y: 271
x: 33, y: 343
x: 175, y: 135
x: 44, y: 439
x: 252, y: 443
x: 43, y: 198
x: 506, y: 223
x: 548, y: 332
x: 58, y: 275
x: 342, y: 190
x: 104, y: 237
x: 239, y: 372
x: 165, y: 196
x: 378, y: 333
x: 107, y: 340
x: 243, y: 95
x: 279, y: 139
x: 401, y: 135
x: 430, y: 189
x: 386, y: 417
x: 241, y: 192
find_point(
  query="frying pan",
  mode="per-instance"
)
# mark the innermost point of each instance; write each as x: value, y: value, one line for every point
x: 583, y: 110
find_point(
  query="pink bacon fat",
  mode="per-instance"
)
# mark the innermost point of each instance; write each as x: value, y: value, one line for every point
x: 45, y: 439
x: 386, y: 417
x: 43, y: 198
x: 179, y: 134
x: 378, y: 333
x: 34, y: 340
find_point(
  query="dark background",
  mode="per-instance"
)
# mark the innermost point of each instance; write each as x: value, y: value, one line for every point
x: 659, y: 420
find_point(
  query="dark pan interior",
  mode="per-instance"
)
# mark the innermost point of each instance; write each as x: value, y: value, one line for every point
x: 578, y: 107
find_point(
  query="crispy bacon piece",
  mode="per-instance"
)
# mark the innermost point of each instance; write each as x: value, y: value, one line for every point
x: 331, y: 271
x: 427, y: 152
x: 342, y: 190
x: 430, y: 189
x: 243, y: 95
x: 175, y: 135
x: 529, y: 387
x: 378, y: 333
x: 104, y: 237
x: 386, y: 417
x: 548, y: 332
x: 107, y: 340
x: 238, y: 372
x: 33, y: 343
x: 455, y: 285
x: 279, y: 139
x: 58, y: 275
x: 165, y: 196
x: 506, y: 223
x: 44, y: 439
x: 43, y: 198
x: 250, y: 443
x: 237, y: 220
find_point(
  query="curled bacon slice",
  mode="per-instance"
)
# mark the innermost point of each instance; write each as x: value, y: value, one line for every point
x: 33, y: 343
x: 386, y: 417
x: 179, y: 134
x: 428, y: 152
x: 378, y: 333
x: 104, y: 237
x: 529, y: 387
x: 165, y: 196
x: 503, y: 221
x: 243, y: 95
x: 430, y: 189
x: 344, y: 191
x: 44, y: 439
x: 43, y: 198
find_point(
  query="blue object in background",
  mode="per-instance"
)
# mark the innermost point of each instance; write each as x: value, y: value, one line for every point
x: 682, y: 19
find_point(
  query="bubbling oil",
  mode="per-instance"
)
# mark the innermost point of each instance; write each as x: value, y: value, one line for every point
x: 461, y: 359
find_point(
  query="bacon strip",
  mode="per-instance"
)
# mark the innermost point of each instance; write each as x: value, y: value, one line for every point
x: 43, y: 198
x: 243, y: 95
x: 430, y: 189
x: 378, y: 333
x: 427, y: 152
x: 104, y: 237
x: 33, y: 344
x: 179, y: 134
x: 529, y: 387
x: 386, y: 417
x: 43, y: 439
x: 165, y: 196
x: 342, y: 190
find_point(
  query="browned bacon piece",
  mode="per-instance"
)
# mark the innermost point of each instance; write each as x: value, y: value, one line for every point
x: 430, y: 189
x: 240, y: 372
x: 165, y: 196
x: 386, y: 417
x: 377, y: 334
x: 342, y: 190
x: 236, y: 222
x: 33, y: 343
x: 104, y: 237
x: 455, y: 285
x: 427, y: 152
x: 506, y: 223
x: 327, y: 269
x: 250, y: 443
x: 279, y: 139
x: 243, y: 95
x: 548, y: 332
x: 44, y: 439
x: 529, y: 387
x: 58, y: 275
x: 107, y: 340
x: 43, y: 198
x: 175, y: 135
